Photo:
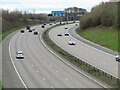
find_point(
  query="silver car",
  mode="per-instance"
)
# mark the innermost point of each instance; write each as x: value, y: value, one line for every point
x: 71, y: 42
x: 117, y: 58
x: 19, y: 55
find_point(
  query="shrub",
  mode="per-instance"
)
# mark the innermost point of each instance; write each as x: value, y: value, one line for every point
x: 105, y: 14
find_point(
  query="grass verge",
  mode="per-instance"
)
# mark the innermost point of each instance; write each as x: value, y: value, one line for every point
x: 3, y: 35
x: 110, y: 80
x: 0, y: 85
x: 104, y: 36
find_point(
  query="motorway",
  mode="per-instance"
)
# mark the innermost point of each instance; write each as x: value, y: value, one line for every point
x: 40, y: 68
x: 85, y: 52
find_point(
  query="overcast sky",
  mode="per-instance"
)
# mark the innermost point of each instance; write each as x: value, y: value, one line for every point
x: 46, y: 6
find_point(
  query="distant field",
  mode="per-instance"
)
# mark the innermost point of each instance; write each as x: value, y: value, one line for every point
x: 107, y: 37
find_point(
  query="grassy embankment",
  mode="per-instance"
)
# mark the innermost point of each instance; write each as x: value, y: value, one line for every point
x: 104, y: 36
x: 110, y: 80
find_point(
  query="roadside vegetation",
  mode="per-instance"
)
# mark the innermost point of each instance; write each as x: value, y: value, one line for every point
x: 0, y: 85
x: 104, y: 36
x: 101, y: 25
x: 12, y: 21
x: 110, y: 80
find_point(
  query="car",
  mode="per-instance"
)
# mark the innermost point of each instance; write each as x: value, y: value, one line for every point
x: 42, y: 26
x: 28, y: 27
x: 30, y: 30
x: 66, y: 27
x: 76, y: 24
x: 35, y: 33
x: 19, y: 55
x: 71, y: 42
x: 59, y: 34
x: 50, y: 24
x: 22, y: 31
x: 33, y: 29
x: 117, y: 58
x: 66, y: 34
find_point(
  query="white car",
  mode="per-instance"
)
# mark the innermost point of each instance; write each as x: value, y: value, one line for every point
x: 66, y: 27
x: 117, y: 58
x: 71, y: 42
x: 66, y: 34
x: 19, y: 55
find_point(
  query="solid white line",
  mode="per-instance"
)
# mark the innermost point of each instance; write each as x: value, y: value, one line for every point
x: 15, y: 67
x: 43, y: 78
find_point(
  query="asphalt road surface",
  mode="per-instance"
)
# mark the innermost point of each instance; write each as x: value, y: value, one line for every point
x: 40, y: 68
x: 89, y: 54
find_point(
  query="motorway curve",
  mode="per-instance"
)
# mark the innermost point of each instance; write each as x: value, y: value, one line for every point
x: 87, y: 53
x: 40, y: 68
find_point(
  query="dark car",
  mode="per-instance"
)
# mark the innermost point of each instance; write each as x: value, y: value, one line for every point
x: 44, y: 23
x: 59, y: 34
x: 33, y: 29
x: 50, y: 24
x: 22, y: 31
x: 30, y: 30
x: 28, y: 27
x: 42, y: 26
x: 35, y: 33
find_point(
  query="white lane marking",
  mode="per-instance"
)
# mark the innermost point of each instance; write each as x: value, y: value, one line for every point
x: 104, y: 63
x: 66, y: 79
x: 52, y: 87
x: 43, y: 78
x: 32, y: 65
x: 50, y: 65
x: 15, y: 66
x: 37, y: 71
x: 57, y: 71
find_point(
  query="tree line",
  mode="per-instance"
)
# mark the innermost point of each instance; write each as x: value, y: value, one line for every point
x: 16, y: 19
x: 105, y: 14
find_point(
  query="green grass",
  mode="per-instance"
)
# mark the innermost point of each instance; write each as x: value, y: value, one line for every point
x: 0, y: 85
x: 3, y: 35
x: 107, y: 37
x: 110, y: 80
